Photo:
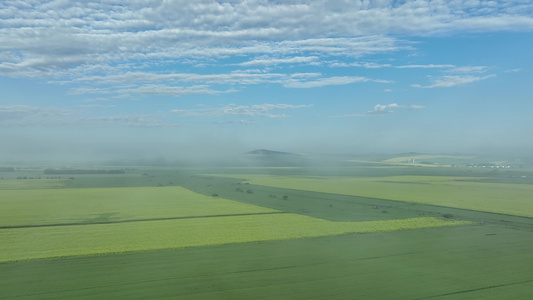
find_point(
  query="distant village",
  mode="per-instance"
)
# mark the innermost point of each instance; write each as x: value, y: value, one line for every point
x: 493, y: 166
x: 470, y: 165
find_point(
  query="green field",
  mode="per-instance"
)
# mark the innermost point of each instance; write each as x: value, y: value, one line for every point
x: 49, y: 223
x: 268, y: 233
x: 101, y: 205
x: 74, y: 240
x: 470, y: 262
x: 457, y: 192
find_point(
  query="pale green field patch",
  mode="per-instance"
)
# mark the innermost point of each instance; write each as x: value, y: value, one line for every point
x: 97, y: 205
x: 79, y: 240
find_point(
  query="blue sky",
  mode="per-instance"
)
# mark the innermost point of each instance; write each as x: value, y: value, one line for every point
x: 119, y: 79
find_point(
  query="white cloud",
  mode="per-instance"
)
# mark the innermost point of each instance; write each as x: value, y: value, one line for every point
x: 55, y: 39
x: 366, y: 65
x: 260, y: 110
x: 380, y: 107
x: 468, y: 69
x: 174, y: 91
x: 245, y: 122
x: 96, y: 106
x: 338, y: 80
x: 127, y: 121
x: 243, y: 77
x: 25, y: 115
x: 83, y: 90
x: 277, y: 61
x: 24, y: 112
x: 383, y: 109
x: 96, y: 99
x: 453, y: 80
x: 430, y: 66
x: 167, y: 82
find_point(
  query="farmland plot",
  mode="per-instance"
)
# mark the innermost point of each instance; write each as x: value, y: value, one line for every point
x: 78, y: 240
x: 511, y: 199
x: 75, y: 222
x: 170, y: 242
x: 458, y: 262
x: 104, y: 205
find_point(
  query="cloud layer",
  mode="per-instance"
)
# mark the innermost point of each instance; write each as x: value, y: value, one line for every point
x: 72, y: 39
x: 200, y: 64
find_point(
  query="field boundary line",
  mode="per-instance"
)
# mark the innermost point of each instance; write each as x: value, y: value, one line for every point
x: 142, y: 220
x: 480, y: 289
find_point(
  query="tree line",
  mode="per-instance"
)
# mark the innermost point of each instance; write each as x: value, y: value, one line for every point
x: 80, y: 171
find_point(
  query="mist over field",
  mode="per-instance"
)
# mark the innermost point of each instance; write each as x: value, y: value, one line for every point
x: 160, y: 145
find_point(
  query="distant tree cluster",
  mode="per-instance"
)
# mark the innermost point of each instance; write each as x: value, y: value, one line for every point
x: 47, y: 177
x: 7, y: 169
x: 79, y: 171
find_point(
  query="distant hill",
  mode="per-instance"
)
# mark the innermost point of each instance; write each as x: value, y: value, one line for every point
x: 264, y: 152
x: 270, y: 158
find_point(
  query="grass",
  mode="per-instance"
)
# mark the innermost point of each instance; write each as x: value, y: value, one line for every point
x: 78, y: 240
x: 511, y: 199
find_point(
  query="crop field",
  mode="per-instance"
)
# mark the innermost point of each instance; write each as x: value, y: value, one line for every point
x: 72, y: 222
x: 268, y: 233
x: 457, y: 192
x: 102, y: 205
x: 63, y: 241
x: 459, y: 262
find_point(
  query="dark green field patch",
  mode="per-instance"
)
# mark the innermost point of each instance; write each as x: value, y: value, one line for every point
x: 338, y: 207
x: 423, y: 264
